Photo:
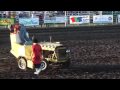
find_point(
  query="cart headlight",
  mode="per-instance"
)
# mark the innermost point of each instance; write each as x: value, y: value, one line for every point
x: 67, y: 51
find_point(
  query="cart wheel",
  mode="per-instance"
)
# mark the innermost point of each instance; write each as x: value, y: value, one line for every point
x: 22, y: 64
x: 44, y: 65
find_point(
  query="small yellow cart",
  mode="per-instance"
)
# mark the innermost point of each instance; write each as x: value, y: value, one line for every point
x: 53, y: 52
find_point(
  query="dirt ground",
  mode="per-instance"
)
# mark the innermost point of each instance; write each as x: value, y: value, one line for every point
x: 90, y: 59
x: 95, y: 54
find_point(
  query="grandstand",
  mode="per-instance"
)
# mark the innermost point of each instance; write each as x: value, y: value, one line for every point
x: 60, y: 13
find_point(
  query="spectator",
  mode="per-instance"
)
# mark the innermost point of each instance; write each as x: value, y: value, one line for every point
x: 41, y: 20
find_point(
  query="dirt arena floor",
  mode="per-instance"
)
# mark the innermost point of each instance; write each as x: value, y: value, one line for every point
x: 94, y: 57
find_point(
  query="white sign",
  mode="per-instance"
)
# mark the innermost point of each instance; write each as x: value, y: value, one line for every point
x: 60, y: 19
x: 103, y: 19
x: 79, y: 19
x: 118, y: 18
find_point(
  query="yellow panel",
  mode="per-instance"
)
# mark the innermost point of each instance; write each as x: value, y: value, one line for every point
x: 28, y: 51
x: 30, y: 64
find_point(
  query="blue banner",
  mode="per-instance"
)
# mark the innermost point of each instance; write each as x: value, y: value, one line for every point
x: 54, y: 19
x: 29, y: 21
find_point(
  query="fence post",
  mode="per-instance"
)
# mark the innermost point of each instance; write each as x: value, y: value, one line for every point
x: 113, y: 17
x: 116, y: 19
x: 89, y: 17
x: 65, y: 19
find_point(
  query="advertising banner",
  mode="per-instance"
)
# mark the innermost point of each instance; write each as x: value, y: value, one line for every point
x: 6, y: 21
x: 29, y: 21
x: 48, y: 19
x: 103, y: 19
x: 54, y: 19
x: 79, y: 19
x: 118, y: 18
x: 60, y: 20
